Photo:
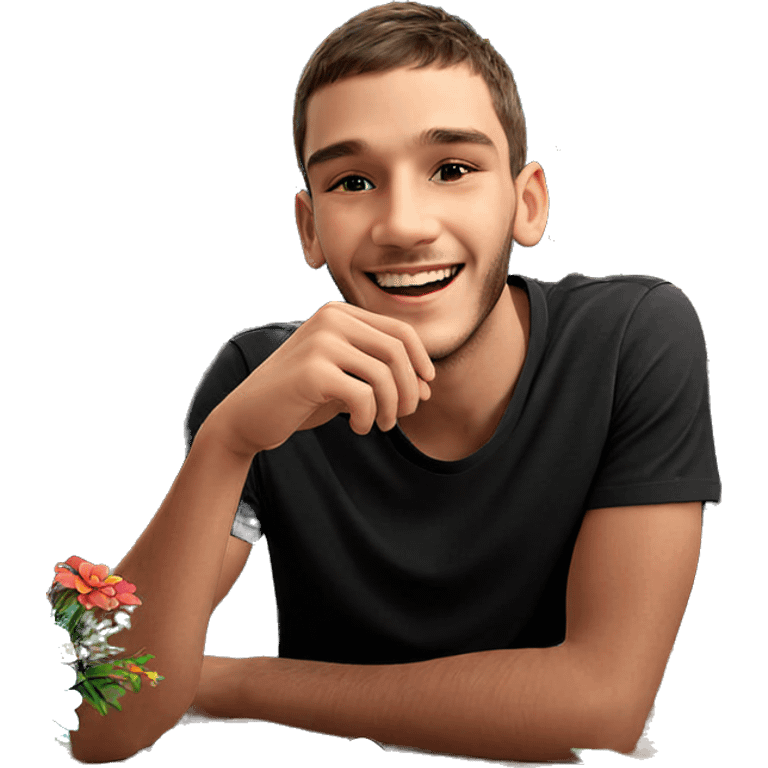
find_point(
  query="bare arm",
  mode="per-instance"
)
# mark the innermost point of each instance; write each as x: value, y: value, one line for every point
x: 177, y: 561
x: 523, y: 704
x: 176, y: 564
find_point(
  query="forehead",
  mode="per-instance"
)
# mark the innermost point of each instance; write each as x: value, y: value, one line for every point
x: 386, y: 109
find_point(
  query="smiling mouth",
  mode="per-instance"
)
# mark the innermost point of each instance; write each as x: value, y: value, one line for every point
x: 416, y: 290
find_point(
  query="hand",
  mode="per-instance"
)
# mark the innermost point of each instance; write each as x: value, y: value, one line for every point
x: 344, y: 359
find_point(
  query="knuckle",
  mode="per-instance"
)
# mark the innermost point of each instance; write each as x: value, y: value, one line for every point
x: 328, y: 312
x: 396, y: 350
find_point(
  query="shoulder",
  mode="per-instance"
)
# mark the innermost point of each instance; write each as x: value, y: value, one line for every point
x: 620, y: 290
x: 617, y: 305
x: 255, y: 345
x: 234, y: 362
x: 626, y: 292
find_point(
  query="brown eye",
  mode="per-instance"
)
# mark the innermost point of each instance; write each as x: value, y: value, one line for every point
x: 453, y: 171
x: 352, y: 184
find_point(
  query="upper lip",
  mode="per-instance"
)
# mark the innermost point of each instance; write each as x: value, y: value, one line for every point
x: 411, y: 270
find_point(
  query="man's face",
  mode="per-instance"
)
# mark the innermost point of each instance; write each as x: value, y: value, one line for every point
x: 395, y: 198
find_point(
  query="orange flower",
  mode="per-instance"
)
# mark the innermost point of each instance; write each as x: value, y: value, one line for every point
x: 152, y: 676
x: 97, y: 589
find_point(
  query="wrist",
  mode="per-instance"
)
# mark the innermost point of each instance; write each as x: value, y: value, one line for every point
x: 219, y: 692
x: 215, y: 435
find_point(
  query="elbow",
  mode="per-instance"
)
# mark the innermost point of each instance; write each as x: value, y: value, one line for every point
x: 618, y: 727
x: 101, y: 739
x: 98, y: 738
x: 603, y: 715
x: 108, y: 751
x: 631, y: 730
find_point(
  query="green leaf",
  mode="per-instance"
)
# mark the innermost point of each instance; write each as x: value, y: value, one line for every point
x: 111, y: 693
x: 93, y: 697
x: 100, y: 671
x: 68, y: 611
x: 116, y: 690
x: 143, y: 659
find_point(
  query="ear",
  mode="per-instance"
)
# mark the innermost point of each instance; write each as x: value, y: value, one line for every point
x: 305, y: 221
x: 532, y: 205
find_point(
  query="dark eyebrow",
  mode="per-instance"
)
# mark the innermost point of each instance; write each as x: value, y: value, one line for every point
x: 427, y: 138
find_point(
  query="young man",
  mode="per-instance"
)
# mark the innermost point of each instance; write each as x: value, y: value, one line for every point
x: 482, y: 493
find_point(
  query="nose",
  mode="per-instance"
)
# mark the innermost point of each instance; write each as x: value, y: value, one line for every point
x: 405, y: 220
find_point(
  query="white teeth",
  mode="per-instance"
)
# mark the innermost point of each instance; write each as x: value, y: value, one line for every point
x: 392, y: 280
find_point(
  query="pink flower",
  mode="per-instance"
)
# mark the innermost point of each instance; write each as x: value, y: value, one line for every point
x: 96, y: 587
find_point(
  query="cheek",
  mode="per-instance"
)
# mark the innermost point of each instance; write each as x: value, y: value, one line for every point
x: 339, y: 231
x: 484, y: 236
x: 485, y: 219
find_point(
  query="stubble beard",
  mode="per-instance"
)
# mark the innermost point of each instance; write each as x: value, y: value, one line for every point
x: 494, y: 283
x: 493, y: 287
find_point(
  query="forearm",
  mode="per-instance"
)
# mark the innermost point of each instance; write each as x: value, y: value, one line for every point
x: 526, y: 704
x: 175, y: 564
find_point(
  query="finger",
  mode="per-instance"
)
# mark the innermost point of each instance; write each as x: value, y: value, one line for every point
x: 417, y: 352
x: 345, y: 331
x: 381, y: 378
x: 358, y: 398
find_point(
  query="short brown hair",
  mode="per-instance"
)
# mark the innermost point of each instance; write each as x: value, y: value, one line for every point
x: 400, y: 34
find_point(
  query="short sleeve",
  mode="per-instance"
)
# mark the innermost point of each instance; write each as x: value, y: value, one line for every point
x: 660, y: 444
x: 228, y: 370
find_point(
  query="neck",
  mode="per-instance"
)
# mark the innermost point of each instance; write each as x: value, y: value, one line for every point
x: 473, y: 388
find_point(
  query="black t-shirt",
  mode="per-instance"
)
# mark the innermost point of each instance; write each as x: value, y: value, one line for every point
x: 381, y: 554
